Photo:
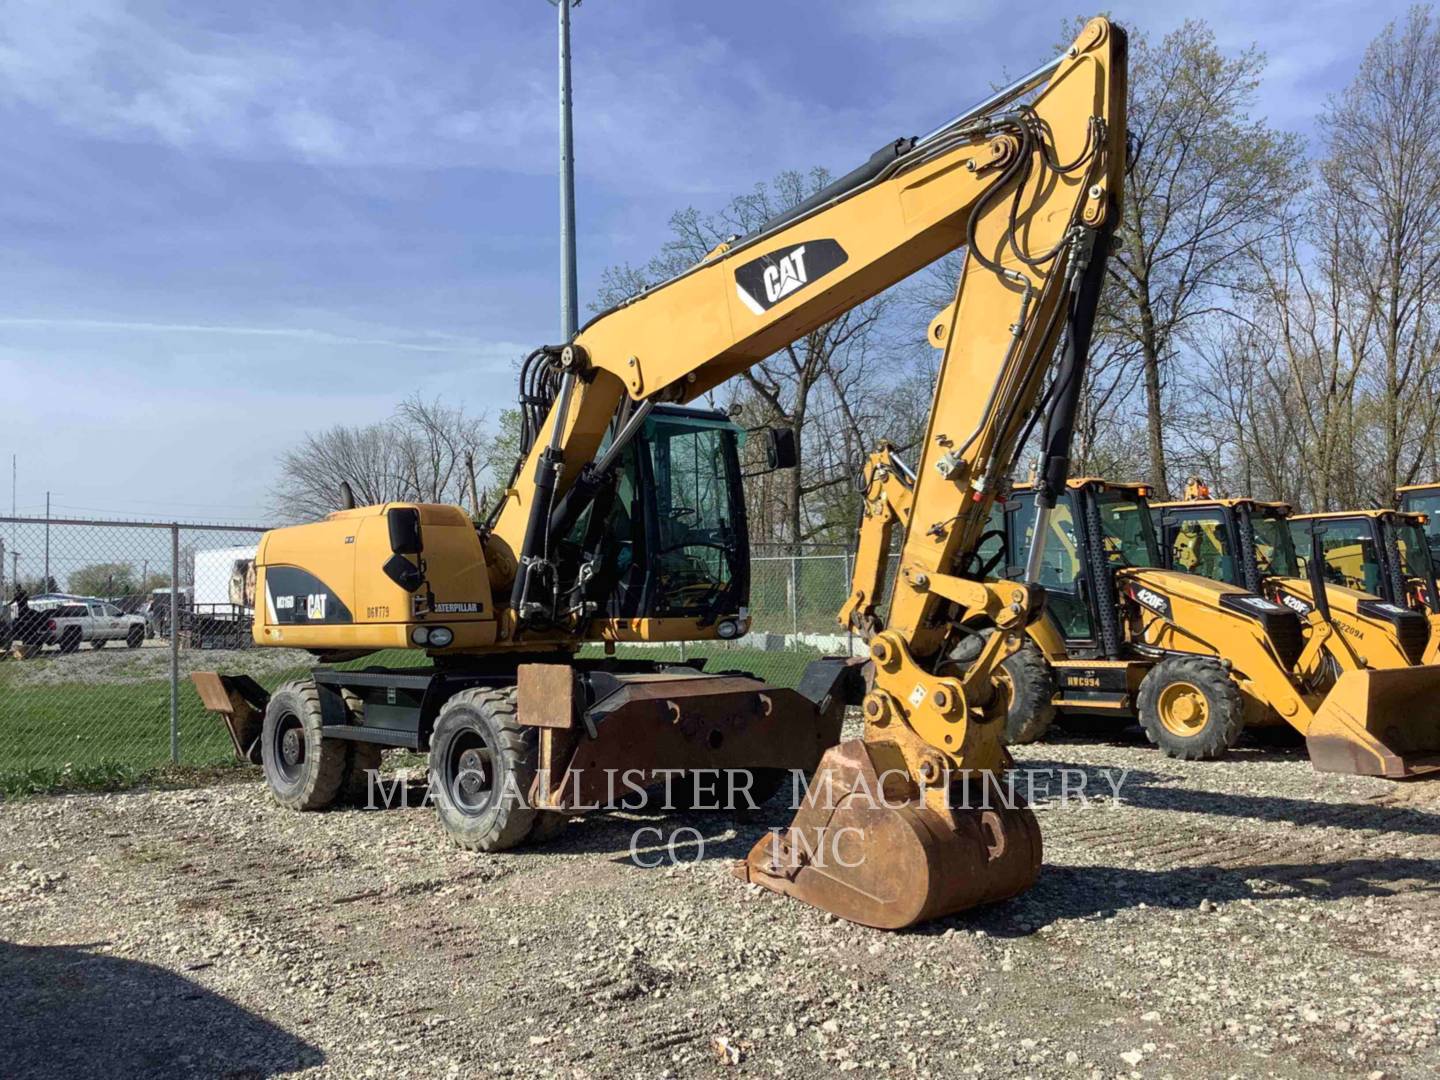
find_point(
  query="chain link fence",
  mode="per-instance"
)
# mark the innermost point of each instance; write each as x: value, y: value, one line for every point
x: 102, y: 623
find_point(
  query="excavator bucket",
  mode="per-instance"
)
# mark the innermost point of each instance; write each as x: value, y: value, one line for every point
x: 1379, y: 723
x: 865, y: 847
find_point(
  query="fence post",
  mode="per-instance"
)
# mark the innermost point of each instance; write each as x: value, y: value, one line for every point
x: 848, y: 585
x: 175, y: 644
x: 794, y: 599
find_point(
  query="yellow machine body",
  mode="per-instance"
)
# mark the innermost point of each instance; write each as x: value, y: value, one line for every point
x: 589, y: 542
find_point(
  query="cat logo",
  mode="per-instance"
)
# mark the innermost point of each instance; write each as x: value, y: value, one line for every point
x: 764, y: 282
x: 787, y: 276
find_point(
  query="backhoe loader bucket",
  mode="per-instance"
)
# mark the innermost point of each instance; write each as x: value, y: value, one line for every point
x: 864, y: 846
x: 1379, y: 723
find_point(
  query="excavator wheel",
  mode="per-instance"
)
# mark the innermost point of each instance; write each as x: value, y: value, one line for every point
x: 482, y: 764
x: 1030, y: 684
x: 363, y: 760
x: 1191, y: 708
x: 303, y: 769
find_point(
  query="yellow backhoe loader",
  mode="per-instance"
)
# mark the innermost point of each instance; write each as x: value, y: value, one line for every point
x: 1385, y: 553
x: 625, y: 522
x: 1195, y: 658
x: 1251, y: 543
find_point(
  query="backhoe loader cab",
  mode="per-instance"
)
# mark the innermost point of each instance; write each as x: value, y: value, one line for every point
x: 1238, y: 541
x: 1423, y: 499
x: 1382, y: 552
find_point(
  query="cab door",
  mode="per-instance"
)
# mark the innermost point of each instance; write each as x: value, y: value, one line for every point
x: 1067, y: 600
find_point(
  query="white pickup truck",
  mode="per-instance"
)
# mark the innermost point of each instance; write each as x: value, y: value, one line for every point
x: 94, y: 621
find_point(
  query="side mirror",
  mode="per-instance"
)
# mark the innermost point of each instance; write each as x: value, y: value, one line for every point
x: 404, y: 524
x: 404, y: 573
x: 780, y: 448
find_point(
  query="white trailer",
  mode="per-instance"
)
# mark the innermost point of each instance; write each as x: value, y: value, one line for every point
x: 222, y: 600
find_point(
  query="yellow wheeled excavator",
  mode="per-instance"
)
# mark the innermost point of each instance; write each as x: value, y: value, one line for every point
x: 625, y: 522
x: 1197, y: 658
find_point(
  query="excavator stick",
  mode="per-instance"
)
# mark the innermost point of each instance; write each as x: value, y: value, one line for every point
x: 867, y: 845
x: 1379, y: 723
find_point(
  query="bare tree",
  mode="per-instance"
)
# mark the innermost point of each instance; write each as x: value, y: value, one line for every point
x: 423, y: 453
x: 1208, y: 183
x: 1382, y: 163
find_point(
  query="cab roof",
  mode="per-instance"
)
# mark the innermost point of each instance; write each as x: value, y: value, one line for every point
x: 1075, y: 483
x: 1200, y: 504
x: 1332, y: 515
x: 1431, y: 486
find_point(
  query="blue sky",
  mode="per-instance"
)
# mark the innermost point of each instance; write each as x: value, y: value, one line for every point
x: 225, y: 224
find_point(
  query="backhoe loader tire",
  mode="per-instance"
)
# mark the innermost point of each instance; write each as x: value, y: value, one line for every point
x: 1190, y: 708
x: 482, y: 763
x: 302, y: 769
x: 1030, y: 683
x: 364, y: 757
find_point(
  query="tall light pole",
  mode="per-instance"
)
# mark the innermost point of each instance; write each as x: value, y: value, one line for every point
x: 569, y: 299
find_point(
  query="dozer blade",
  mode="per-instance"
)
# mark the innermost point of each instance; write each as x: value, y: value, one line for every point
x: 863, y: 846
x: 1379, y: 723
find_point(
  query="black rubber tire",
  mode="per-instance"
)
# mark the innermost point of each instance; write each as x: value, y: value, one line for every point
x: 98, y: 644
x: 135, y: 637
x: 1224, y: 718
x: 362, y: 758
x: 479, y: 739
x: 309, y: 779
x: 70, y: 639
x: 1031, y: 682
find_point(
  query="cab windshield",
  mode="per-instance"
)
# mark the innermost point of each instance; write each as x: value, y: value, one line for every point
x: 1128, y: 531
x: 1427, y: 503
x: 1414, y: 551
x: 1274, y: 546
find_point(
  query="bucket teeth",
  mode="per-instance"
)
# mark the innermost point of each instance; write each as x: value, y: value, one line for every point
x: 870, y: 851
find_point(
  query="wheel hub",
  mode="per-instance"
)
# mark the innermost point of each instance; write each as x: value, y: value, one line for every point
x: 1184, y: 709
x: 292, y: 747
x: 473, y: 775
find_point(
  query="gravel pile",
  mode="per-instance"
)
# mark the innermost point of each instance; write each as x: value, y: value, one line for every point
x: 1246, y: 918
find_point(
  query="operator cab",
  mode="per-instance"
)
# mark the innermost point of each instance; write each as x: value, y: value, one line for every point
x: 1117, y: 515
x: 1228, y: 540
x: 1382, y: 552
x: 1424, y: 499
x: 670, y: 539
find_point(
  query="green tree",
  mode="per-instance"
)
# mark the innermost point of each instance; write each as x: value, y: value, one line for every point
x: 104, y: 579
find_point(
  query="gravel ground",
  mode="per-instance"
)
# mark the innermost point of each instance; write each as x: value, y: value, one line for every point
x: 1246, y: 918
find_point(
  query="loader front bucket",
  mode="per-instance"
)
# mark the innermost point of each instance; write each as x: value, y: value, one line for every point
x: 865, y: 847
x: 1379, y: 723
